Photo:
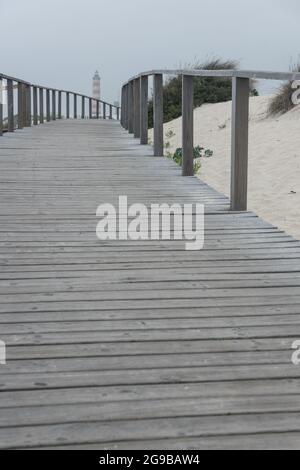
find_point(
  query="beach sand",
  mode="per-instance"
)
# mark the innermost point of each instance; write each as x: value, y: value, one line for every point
x: 274, y: 158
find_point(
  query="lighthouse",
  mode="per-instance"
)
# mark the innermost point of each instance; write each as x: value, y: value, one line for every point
x: 96, y: 91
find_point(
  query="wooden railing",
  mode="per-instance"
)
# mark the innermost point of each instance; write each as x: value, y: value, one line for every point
x: 36, y: 104
x: 134, y: 118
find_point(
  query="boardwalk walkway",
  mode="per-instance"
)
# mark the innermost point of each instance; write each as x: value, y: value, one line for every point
x: 137, y: 344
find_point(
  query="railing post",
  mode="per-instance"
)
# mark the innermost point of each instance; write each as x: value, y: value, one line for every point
x: 67, y: 105
x: 1, y: 107
x: 104, y: 110
x: 187, y: 125
x: 122, y: 106
x: 125, y: 117
x: 90, y: 108
x: 28, y: 105
x: 20, y: 105
x: 110, y: 112
x: 82, y: 107
x: 35, y: 106
x: 41, y: 103
x: 136, y: 104
x: 10, y: 106
x: 97, y: 109
x: 59, y: 104
x: 75, y: 105
x: 158, y: 115
x: 239, y: 143
x: 24, y: 105
x: 48, y: 115
x: 118, y: 113
x: 53, y: 105
x: 144, y: 109
x: 130, y: 107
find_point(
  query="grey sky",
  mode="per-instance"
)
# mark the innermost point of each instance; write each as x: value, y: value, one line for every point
x: 60, y: 43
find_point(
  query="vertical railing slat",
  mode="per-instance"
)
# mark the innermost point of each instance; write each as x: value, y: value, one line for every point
x: 48, y: 115
x: 82, y: 107
x: 158, y: 115
x: 41, y: 105
x: 144, y: 109
x: 67, y: 105
x: 28, y: 105
x: 239, y: 143
x: 59, y: 105
x: 35, y: 106
x: 136, y: 112
x: 54, y: 105
x: 187, y: 125
x: 75, y: 105
x: 20, y: 105
x: 1, y: 106
x: 130, y: 107
x: 10, y: 106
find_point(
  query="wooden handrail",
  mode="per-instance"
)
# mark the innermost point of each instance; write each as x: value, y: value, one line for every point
x: 134, y: 117
x: 31, y: 99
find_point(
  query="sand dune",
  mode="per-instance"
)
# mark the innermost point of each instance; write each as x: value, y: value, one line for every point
x: 274, y: 158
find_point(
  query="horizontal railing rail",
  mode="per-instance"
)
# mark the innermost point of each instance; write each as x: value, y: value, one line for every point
x: 134, y: 117
x: 35, y: 104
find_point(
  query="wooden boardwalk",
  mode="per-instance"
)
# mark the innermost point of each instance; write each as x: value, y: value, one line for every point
x: 137, y: 345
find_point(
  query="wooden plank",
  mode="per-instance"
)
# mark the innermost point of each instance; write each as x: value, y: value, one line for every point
x: 123, y: 342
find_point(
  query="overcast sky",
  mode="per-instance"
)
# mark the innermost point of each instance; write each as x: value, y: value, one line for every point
x: 61, y: 43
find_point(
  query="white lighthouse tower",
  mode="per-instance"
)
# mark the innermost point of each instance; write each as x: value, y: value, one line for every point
x: 96, y: 91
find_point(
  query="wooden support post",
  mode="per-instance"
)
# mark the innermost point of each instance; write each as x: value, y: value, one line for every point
x: 75, y: 105
x: 130, y: 107
x: 118, y: 113
x: 158, y: 115
x: 67, y: 105
x: 90, y: 108
x: 110, y: 112
x: 97, y: 109
x: 136, y: 108
x: 35, y: 106
x: 20, y: 105
x: 82, y: 107
x: 53, y: 105
x: 122, y: 106
x: 28, y: 105
x: 126, y: 116
x: 104, y: 110
x: 144, y: 109
x: 24, y: 105
x: 10, y: 106
x: 59, y: 105
x: 41, y: 103
x: 239, y: 143
x: 1, y: 106
x: 187, y: 125
x: 48, y: 114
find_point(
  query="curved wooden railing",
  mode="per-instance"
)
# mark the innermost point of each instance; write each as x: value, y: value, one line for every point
x: 36, y: 104
x: 134, y: 117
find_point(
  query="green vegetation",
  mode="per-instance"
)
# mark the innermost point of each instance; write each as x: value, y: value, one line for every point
x: 199, y: 152
x: 206, y: 89
x: 281, y: 103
